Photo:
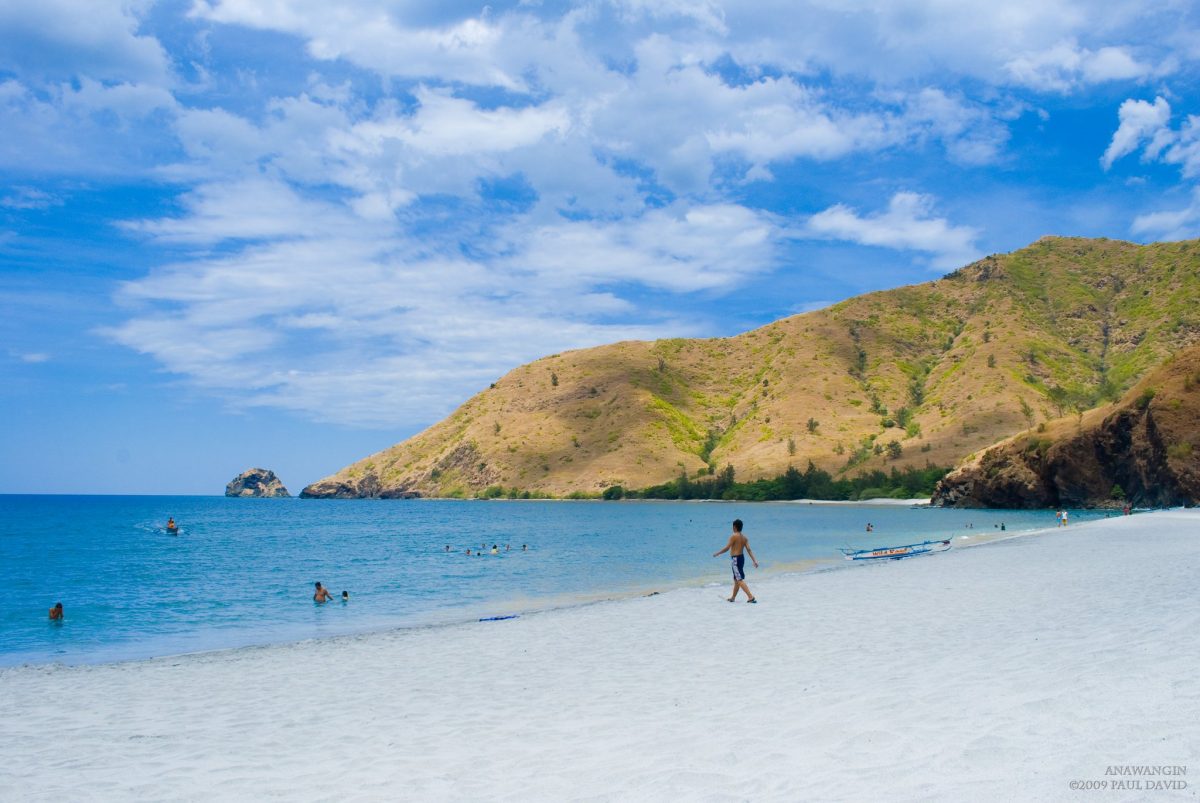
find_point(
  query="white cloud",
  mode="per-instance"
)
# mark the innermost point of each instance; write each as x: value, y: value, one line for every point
x: 30, y: 198
x: 1139, y: 121
x: 680, y: 249
x: 251, y: 209
x: 1066, y: 65
x: 1175, y: 224
x: 370, y: 34
x: 87, y: 128
x: 1147, y: 126
x: 358, y: 323
x: 65, y: 39
x: 448, y: 126
x: 906, y: 225
x: 971, y: 133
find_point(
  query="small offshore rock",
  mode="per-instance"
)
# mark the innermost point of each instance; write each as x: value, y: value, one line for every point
x: 256, y: 482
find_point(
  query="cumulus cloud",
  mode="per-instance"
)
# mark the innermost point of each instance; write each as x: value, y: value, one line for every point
x: 1066, y: 65
x: 1139, y: 121
x: 1147, y: 126
x: 907, y: 224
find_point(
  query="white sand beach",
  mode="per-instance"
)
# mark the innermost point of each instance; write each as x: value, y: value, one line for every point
x: 1004, y: 671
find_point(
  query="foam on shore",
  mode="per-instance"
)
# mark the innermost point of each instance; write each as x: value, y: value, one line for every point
x: 1004, y: 671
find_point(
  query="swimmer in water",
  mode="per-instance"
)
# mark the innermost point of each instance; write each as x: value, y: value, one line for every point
x: 321, y: 595
x: 468, y: 551
x: 524, y: 547
x: 56, y: 613
x: 495, y: 550
x: 345, y: 597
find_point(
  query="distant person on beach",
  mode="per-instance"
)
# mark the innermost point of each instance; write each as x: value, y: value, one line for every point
x: 738, y: 544
x: 321, y: 595
x: 1064, y: 518
x: 56, y: 613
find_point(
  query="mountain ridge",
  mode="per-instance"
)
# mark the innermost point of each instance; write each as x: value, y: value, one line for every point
x: 921, y: 374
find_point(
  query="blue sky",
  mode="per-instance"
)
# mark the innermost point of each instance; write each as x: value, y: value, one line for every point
x: 288, y: 233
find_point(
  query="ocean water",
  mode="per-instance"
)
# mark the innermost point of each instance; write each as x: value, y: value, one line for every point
x: 241, y: 571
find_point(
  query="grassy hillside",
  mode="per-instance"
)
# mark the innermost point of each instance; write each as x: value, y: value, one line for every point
x: 1142, y: 450
x: 922, y: 374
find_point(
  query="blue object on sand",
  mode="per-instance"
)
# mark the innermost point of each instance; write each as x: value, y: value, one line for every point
x: 897, y: 552
x: 497, y: 618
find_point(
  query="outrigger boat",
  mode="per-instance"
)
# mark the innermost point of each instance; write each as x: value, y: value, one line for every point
x: 896, y: 552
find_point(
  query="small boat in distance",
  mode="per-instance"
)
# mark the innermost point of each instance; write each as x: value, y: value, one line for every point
x: 897, y: 552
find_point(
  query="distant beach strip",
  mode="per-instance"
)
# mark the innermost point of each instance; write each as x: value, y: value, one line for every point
x: 1016, y: 670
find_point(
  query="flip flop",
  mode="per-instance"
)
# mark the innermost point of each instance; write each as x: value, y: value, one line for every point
x: 751, y: 601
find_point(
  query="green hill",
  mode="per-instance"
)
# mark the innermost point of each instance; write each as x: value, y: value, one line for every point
x: 925, y: 374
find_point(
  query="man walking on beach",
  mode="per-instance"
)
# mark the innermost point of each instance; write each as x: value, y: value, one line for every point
x: 738, y: 544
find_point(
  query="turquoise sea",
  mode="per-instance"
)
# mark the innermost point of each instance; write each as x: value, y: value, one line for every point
x: 241, y: 571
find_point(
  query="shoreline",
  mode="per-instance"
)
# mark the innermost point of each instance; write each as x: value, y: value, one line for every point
x: 523, y: 606
x: 972, y: 674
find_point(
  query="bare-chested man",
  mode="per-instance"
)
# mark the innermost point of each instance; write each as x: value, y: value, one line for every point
x: 737, y: 544
x: 322, y: 594
x: 56, y: 613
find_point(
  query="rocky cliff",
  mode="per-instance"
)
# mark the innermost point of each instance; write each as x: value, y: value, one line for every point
x: 256, y: 482
x: 1144, y: 450
x: 923, y: 374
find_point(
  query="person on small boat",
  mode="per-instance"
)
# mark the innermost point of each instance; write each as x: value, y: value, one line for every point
x: 56, y: 613
x: 171, y: 525
x: 321, y: 595
x: 739, y: 544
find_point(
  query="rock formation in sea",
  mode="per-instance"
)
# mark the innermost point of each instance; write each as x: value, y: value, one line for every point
x: 256, y: 482
x: 1143, y: 450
